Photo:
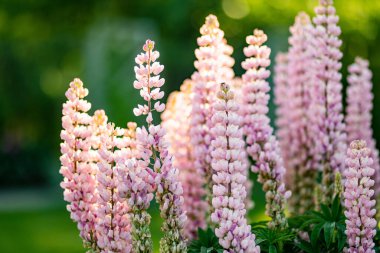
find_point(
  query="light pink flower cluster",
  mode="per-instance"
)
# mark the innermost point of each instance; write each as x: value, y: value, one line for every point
x: 229, y: 191
x: 262, y: 144
x: 176, y: 121
x: 79, y: 162
x: 326, y: 125
x: 281, y: 99
x: 301, y: 159
x: 214, y: 65
x: 237, y: 87
x: 358, y: 199
x: 154, y: 149
x: 113, y: 225
x: 359, y: 112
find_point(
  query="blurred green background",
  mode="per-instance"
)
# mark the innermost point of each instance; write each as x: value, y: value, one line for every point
x: 44, y: 44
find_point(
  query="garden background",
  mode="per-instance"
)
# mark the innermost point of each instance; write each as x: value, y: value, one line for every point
x: 44, y: 44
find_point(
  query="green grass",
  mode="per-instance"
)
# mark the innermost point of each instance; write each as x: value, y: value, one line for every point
x: 48, y: 231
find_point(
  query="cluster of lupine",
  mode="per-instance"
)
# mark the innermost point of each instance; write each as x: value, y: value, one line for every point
x: 196, y: 162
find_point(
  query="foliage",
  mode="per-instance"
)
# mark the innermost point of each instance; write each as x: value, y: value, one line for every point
x: 273, y: 240
x: 325, y: 229
x: 207, y: 242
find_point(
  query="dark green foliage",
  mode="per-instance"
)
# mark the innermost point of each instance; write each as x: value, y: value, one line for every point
x: 273, y: 240
x: 207, y: 242
x: 377, y: 240
x: 325, y: 229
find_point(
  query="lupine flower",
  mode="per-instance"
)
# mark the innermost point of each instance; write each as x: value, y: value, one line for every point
x: 176, y: 121
x: 214, y: 65
x: 229, y: 192
x: 358, y: 199
x: 262, y: 145
x: 113, y: 226
x: 300, y: 158
x: 153, y: 148
x: 237, y: 88
x: 78, y: 162
x: 326, y: 125
x: 359, y: 112
x: 281, y: 99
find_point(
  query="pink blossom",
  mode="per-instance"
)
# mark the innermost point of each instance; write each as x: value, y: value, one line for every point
x: 79, y: 162
x: 113, y: 225
x: 229, y: 179
x: 176, y: 121
x: 359, y: 111
x: 214, y: 65
x: 358, y: 199
x: 141, y: 180
x: 262, y: 145
x: 296, y: 138
x: 237, y: 87
x: 326, y: 125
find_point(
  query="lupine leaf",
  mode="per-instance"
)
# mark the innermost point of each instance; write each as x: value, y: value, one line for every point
x: 328, y: 229
x: 315, y: 234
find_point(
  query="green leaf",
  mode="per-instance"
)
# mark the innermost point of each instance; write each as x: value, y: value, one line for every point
x: 341, y: 240
x: 326, y: 212
x: 336, y: 208
x: 328, y: 230
x: 305, y: 246
x: 272, y: 249
x: 315, y: 234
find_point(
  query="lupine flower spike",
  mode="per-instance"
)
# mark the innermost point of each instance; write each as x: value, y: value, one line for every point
x: 154, y: 150
x: 262, y: 145
x: 359, y: 113
x: 300, y: 158
x: 113, y: 226
x: 176, y: 121
x: 214, y: 65
x: 359, y: 202
x: 78, y: 163
x: 237, y: 88
x: 229, y: 191
x: 326, y: 125
x: 281, y: 99
x: 136, y: 185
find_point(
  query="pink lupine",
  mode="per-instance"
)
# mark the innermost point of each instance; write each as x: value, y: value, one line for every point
x: 262, y: 145
x: 326, y: 124
x: 113, y: 226
x: 176, y: 121
x: 282, y: 100
x: 78, y: 162
x: 214, y: 65
x: 301, y: 158
x: 358, y: 199
x: 154, y: 149
x: 229, y: 191
x: 237, y: 88
x: 359, y: 112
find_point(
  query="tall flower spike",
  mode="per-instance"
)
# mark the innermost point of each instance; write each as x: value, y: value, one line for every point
x: 214, y: 65
x: 78, y: 167
x: 155, y: 150
x: 229, y: 191
x: 113, y: 226
x: 358, y: 199
x: 359, y: 113
x: 237, y: 88
x: 176, y: 121
x: 137, y: 184
x: 326, y: 125
x: 282, y: 101
x: 301, y: 159
x: 262, y: 145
